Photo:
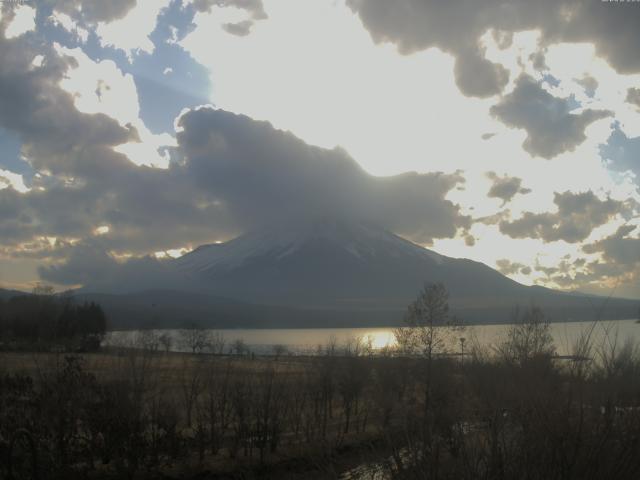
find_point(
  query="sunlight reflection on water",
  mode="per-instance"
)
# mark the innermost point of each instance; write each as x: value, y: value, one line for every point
x: 307, y: 340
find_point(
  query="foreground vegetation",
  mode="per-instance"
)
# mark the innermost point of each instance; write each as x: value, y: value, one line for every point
x: 511, y: 413
x: 418, y: 411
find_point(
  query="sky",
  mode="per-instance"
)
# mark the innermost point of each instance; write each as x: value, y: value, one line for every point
x: 132, y: 131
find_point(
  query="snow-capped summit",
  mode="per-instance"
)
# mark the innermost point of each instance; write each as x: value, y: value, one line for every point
x: 359, y: 240
x: 331, y: 262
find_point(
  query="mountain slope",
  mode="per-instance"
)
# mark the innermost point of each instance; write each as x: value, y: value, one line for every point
x: 338, y: 265
x: 6, y: 294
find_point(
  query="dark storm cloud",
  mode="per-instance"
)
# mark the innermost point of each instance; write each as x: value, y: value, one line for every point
x: 578, y: 214
x: 262, y: 174
x: 236, y: 174
x: 551, y: 128
x: 505, y: 188
x: 456, y: 27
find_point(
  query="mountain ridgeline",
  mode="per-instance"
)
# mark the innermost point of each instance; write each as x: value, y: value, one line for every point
x: 328, y: 273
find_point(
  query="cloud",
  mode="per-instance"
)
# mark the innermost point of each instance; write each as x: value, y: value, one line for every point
x: 13, y: 180
x: 415, y: 25
x: 469, y: 240
x: 456, y: 27
x: 80, y: 181
x: 91, y: 265
x: 505, y: 188
x: 633, y: 96
x: 241, y: 27
x: 254, y: 7
x: 551, y: 128
x: 131, y: 32
x: 576, y: 217
x: 24, y: 20
x: 620, y: 248
x: 262, y: 175
x: 507, y: 267
x: 93, y: 11
x: 616, y: 272
x: 70, y: 25
x: 589, y: 84
x: 121, y: 24
x: 101, y: 87
x: 622, y: 153
x: 56, y: 138
x: 231, y: 174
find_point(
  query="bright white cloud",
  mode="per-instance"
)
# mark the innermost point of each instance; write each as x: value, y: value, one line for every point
x: 24, y: 21
x: 65, y: 21
x: 571, y: 62
x: 393, y: 113
x: 13, y: 180
x: 37, y: 62
x: 131, y: 33
x: 102, y: 230
x: 101, y: 87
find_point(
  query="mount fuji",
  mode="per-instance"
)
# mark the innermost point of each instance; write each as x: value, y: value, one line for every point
x: 333, y: 272
x: 330, y: 263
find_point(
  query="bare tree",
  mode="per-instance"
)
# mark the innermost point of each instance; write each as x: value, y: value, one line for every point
x: 217, y: 343
x: 429, y: 325
x: 429, y: 330
x: 166, y: 341
x: 239, y: 346
x: 192, y: 383
x: 147, y: 340
x: 529, y: 337
x: 195, y: 338
x: 279, y: 351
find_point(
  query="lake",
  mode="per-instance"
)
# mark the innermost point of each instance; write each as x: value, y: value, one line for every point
x: 306, y: 340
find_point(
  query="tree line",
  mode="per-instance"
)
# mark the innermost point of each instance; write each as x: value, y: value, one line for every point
x: 43, y: 321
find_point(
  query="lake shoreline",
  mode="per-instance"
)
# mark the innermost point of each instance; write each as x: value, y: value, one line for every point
x: 372, y: 326
x: 308, y: 341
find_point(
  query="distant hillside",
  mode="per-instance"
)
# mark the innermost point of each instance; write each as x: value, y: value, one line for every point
x: 6, y: 294
x: 174, y: 309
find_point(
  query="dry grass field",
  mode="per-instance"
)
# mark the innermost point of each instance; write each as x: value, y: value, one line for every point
x: 140, y: 413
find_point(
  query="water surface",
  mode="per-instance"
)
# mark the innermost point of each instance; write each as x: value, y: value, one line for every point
x: 307, y: 340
